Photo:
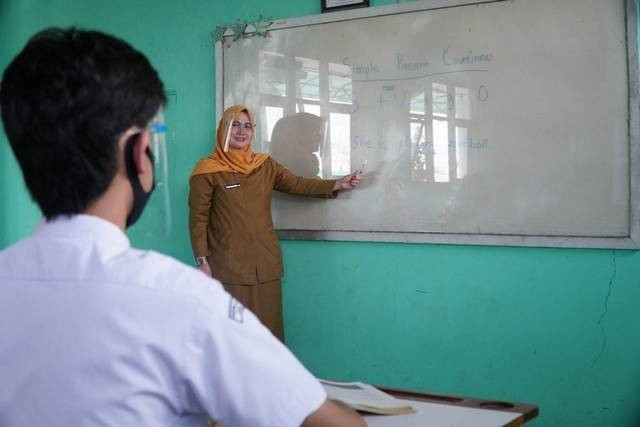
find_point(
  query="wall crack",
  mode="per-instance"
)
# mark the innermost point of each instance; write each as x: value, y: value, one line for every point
x: 606, y: 308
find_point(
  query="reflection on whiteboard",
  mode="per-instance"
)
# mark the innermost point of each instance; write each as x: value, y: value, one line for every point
x: 498, y: 118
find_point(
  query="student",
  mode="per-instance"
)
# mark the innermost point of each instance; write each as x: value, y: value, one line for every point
x: 95, y: 332
x: 230, y: 215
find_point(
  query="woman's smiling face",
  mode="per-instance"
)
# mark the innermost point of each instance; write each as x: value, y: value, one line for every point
x: 241, y: 131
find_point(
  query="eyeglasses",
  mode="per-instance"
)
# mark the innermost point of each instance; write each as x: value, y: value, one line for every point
x: 247, y: 126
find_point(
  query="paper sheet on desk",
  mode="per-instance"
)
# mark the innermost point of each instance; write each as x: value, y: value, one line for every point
x: 364, y: 397
x: 430, y: 414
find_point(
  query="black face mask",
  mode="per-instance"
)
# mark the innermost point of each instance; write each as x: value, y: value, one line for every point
x: 140, y: 197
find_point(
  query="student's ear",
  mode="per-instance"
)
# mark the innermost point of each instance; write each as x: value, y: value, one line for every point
x: 143, y: 161
x: 140, y: 157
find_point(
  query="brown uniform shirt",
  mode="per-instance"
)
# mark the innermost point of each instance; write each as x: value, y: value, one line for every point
x: 230, y: 220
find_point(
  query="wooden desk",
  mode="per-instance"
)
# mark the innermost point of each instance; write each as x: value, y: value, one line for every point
x: 454, y: 411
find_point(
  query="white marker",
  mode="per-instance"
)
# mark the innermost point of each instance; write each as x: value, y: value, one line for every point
x: 226, y: 140
x: 362, y: 168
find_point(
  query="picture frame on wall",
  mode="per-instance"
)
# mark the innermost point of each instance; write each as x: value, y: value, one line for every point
x: 335, y: 5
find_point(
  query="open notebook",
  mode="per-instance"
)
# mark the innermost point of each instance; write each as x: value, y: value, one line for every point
x: 366, y: 398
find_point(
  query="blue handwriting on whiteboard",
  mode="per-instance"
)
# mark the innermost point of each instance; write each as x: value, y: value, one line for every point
x: 362, y: 70
x: 359, y: 142
x: 404, y: 65
x: 390, y: 95
x: 421, y: 76
x: 469, y: 58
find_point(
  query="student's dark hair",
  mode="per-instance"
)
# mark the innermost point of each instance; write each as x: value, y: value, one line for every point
x: 65, y: 100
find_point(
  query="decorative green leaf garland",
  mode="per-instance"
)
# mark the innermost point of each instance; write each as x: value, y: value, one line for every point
x: 261, y: 26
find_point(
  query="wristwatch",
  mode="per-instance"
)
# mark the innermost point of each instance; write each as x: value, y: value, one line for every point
x: 201, y: 260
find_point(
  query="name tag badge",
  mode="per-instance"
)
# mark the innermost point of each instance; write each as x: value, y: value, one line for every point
x: 227, y: 187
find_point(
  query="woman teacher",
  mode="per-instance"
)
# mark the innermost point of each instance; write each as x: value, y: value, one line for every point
x: 230, y: 215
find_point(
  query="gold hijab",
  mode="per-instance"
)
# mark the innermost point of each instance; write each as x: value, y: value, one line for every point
x: 243, y: 160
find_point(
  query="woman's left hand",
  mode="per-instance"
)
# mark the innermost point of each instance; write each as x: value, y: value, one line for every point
x: 348, y: 182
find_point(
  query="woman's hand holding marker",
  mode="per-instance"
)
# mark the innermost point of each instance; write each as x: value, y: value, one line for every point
x: 350, y: 181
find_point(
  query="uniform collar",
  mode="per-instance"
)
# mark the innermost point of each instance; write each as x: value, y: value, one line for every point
x: 91, y: 228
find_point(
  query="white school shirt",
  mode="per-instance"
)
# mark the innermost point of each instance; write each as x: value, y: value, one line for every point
x: 96, y: 333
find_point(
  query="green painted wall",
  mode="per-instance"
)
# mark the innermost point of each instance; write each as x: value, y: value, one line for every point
x: 554, y: 327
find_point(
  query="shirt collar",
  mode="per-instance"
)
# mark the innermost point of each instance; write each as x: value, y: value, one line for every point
x: 99, y: 231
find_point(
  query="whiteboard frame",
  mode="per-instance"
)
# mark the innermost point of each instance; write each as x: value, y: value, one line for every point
x: 632, y: 241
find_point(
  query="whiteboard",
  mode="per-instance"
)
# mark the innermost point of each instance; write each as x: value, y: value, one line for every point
x: 504, y: 122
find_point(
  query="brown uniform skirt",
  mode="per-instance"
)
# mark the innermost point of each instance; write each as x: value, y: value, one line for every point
x: 264, y: 300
